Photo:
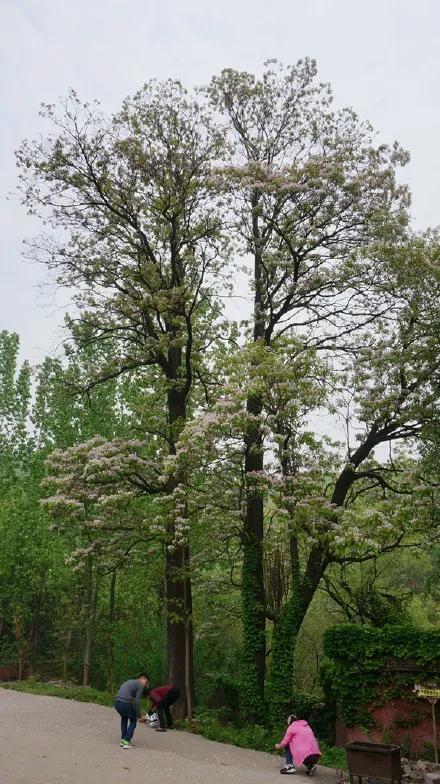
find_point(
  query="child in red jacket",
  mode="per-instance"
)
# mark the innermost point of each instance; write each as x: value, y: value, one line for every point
x: 161, y: 698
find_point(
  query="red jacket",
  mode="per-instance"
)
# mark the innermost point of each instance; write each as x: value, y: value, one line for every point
x: 157, y: 694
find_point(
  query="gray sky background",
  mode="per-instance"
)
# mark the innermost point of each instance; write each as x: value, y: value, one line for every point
x: 381, y: 56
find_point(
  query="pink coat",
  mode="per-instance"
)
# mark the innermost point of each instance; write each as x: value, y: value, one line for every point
x: 301, y: 740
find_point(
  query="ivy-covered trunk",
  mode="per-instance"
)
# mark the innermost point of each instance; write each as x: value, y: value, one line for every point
x: 252, y: 582
x: 280, y: 680
x: 253, y: 617
x: 284, y: 634
x: 288, y: 624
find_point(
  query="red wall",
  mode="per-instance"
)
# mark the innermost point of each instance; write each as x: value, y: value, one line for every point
x: 417, y: 714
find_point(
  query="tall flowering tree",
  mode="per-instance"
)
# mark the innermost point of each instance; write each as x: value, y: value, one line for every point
x: 310, y: 191
x: 324, y: 503
x: 138, y: 234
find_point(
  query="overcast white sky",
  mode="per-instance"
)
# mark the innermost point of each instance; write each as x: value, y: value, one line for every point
x: 381, y: 56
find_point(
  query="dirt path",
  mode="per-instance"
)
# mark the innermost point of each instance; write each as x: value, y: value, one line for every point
x: 45, y: 740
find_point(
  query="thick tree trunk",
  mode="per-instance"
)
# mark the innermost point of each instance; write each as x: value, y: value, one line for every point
x: 252, y: 590
x: 178, y: 589
x: 179, y: 628
x: 285, y: 632
x: 252, y: 586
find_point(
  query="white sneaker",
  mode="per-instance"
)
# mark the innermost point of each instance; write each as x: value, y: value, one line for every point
x: 288, y: 769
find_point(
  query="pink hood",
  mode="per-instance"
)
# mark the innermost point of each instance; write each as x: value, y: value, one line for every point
x: 301, y: 740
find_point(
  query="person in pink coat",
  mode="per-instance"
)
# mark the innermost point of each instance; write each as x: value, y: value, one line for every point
x: 300, y: 745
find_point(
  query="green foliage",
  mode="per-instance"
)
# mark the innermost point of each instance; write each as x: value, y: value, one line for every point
x: 256, y: 737
x: 218, y: 683
x: 148, y: 208
x: 366, y: 666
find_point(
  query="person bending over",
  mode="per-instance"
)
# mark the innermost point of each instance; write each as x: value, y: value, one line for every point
x: 128, y: 705
x: 301, y: 746
x: 161, y: 698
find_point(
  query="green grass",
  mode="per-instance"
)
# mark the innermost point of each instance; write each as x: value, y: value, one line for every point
x: 207, y: 724
x: 79, y: 693
x: 257, y: 738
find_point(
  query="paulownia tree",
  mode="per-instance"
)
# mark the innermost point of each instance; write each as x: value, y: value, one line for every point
x: 136, y: 231
x: 309, y: 192
x: 327, y: 505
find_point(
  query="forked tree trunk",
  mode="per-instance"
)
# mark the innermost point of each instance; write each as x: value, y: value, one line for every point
x: 285, y: 631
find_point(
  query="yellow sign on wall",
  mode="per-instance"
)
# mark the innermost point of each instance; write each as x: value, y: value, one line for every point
x: 422, y: 692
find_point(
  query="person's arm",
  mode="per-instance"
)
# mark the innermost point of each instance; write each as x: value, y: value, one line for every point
x: 137, y: 700
x: 286, y: 740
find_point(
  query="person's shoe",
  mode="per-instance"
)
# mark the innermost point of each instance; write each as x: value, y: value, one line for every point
x: 288, y: 769
x: 126, y: 744
x: 311, y: 771
x: 160, y: 729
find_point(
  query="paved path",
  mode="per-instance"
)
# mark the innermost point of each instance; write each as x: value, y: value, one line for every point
x: 46, y: 740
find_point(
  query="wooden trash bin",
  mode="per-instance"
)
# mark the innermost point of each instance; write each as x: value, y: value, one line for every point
x: 379, y: 761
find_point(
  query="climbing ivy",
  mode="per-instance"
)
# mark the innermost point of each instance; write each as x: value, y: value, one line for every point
x: 252, y: 680
x: 366, y: 667
x: 280, y: 681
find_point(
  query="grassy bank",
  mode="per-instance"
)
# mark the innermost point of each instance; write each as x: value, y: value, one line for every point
x: 257, y: 738
x: 207, y: 724
x: 78, y: 693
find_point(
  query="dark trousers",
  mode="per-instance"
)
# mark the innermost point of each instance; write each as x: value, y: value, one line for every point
x: 163, y: 707
x: 309, y: 761
x: 127, y: 714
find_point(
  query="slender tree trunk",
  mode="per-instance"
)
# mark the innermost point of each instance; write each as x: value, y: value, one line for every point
x: 178, y: 588
x: 252, y: 590
x: 66, y: 655
x: 189, y: 676
x: 111, y: 621
x: 91, y: 607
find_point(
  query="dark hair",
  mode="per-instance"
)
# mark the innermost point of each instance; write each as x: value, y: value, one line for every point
x: 291, y: 719
x: 143, y: 675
